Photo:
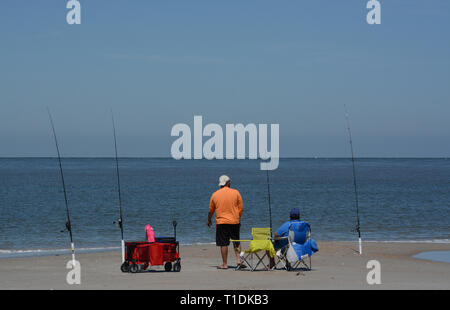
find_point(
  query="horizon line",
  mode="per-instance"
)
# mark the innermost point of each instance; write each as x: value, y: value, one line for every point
x: 161, y: 157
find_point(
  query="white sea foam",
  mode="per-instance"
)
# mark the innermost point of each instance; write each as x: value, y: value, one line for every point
x: 411, y: 241
x: 8, y: 253
x: 199, y: 243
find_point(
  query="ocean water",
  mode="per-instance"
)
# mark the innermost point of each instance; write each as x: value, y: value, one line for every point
x: 438, y: 256
x: 400, y: 199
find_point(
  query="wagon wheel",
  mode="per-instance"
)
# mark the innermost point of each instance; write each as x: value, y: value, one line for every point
x: 134, y: 268
x: 177, y: 266
x: 125, y: 267
x: 168, y: 266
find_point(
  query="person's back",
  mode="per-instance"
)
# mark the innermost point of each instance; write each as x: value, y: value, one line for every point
x: 283, y: 231
x: 298, y: 226
x: 300, y: 230
x: 227, y: 203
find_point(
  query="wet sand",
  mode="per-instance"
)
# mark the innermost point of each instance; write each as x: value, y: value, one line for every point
x: 336, y: 266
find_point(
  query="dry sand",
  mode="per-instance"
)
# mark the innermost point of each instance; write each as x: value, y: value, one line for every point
x: 336, y: 266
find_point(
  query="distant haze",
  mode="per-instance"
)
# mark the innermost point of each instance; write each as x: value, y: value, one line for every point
x: 158, y: 63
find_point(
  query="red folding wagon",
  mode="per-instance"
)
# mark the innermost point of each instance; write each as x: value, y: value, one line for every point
x: 139, y: 255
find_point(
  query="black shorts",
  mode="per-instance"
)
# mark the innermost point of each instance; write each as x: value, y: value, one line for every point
x: 225, y: 232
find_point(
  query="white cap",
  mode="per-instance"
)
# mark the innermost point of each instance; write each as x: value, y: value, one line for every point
x: 223, y: 180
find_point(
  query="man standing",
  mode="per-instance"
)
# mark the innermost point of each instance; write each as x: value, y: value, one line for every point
x: 227, y: 204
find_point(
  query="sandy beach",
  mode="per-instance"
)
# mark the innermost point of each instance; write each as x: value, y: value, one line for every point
x: 336, y: 266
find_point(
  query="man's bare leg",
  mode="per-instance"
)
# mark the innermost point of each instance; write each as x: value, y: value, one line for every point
x: 224, y: 252
x: 237, y: 251
x: 271, y: 260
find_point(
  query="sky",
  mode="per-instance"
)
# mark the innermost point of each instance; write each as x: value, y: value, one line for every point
x: 159, y: 63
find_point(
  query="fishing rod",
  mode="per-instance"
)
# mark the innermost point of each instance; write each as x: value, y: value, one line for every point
x: 358, y: 228
x: 270, y: 207
x: 68, y: 223
x: 120, y: 222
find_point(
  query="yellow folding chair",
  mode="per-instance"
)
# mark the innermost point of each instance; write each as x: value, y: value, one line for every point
x: 261, y: 241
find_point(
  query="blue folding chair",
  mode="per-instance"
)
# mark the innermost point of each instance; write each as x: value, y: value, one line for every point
x: 298, y: 247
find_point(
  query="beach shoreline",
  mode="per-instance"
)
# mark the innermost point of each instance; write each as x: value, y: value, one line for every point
x: 337, y: 265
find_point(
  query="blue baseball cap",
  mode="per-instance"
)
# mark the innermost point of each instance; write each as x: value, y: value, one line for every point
x: 294, y: 211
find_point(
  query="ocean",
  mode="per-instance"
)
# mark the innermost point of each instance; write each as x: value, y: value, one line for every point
x: 399, y: 199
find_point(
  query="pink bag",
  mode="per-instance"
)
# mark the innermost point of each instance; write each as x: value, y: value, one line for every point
x: 149, y: 233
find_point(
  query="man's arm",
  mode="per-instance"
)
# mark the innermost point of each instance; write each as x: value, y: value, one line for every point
x: 240, y: 205
x: 283, y: 230
x: 212, y: 208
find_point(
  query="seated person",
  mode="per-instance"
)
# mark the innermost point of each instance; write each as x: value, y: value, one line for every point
x: 283, y: 231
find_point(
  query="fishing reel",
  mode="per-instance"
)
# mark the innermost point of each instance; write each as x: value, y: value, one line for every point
x: 356, y: 229
x: 68, y: 227
x: 119, y: 222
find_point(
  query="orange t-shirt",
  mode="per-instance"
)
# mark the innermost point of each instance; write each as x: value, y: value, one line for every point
x: 227, y: 203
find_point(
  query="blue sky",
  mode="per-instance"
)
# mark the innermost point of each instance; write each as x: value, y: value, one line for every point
x: 158, y: 63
